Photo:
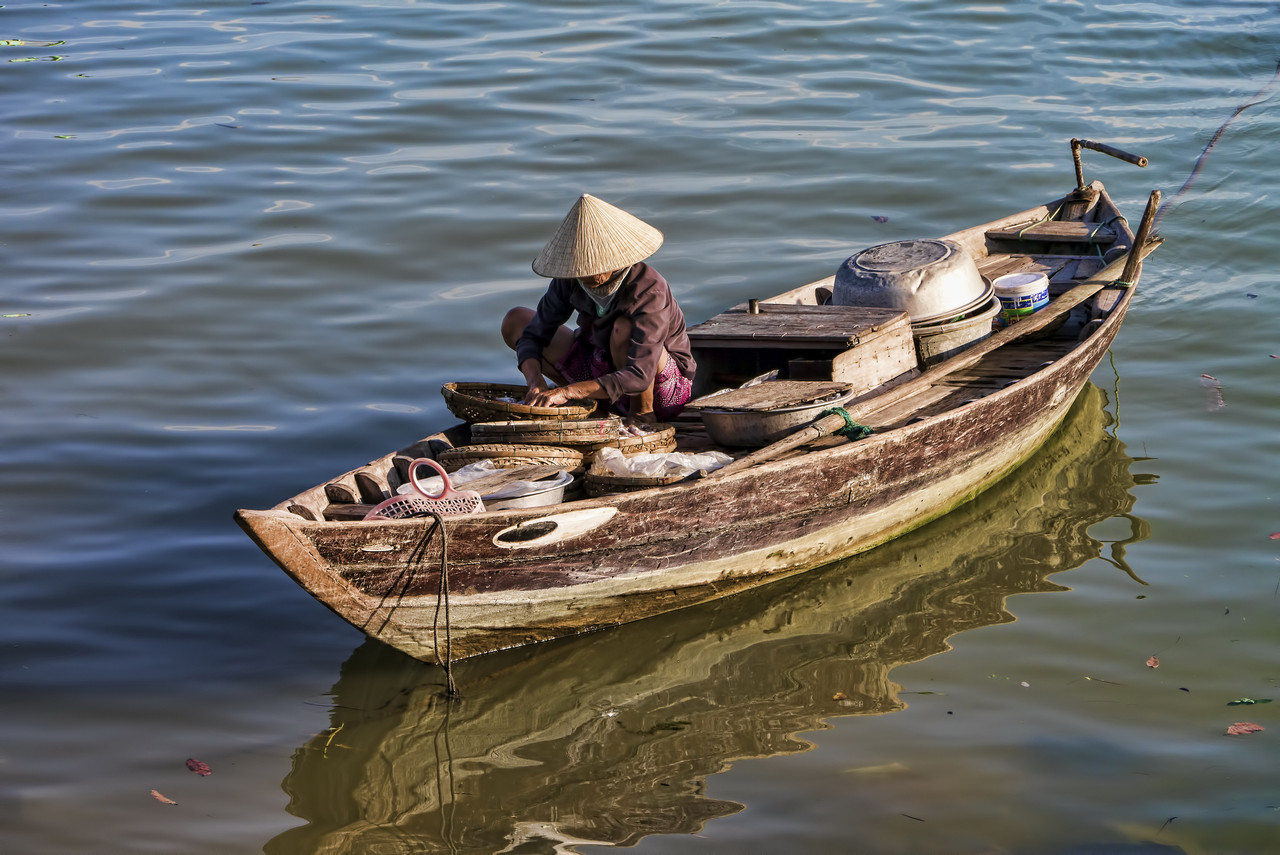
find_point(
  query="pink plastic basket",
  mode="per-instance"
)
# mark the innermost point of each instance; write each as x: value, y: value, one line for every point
x: 448, y: 503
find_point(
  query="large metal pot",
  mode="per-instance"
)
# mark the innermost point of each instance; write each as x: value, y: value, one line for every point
x: 927, y: 278
x: 755, y: 428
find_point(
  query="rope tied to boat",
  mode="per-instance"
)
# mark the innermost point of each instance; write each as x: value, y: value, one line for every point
x: 442, y: 602
x: 852, y: 430
x: 1048, y: 218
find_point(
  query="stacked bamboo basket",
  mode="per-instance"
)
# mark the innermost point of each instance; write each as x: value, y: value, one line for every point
x: 512, y: 434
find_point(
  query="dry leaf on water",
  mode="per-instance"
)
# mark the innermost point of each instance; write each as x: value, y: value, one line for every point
x: 198, y: 767
x: 1240, y: 728
x: 1152, y: 662
x: 163, y: 799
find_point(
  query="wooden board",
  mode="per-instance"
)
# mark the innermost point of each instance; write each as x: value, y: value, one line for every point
x: 795, y: 326
x: 771, y: 395
x: 1071, y: 231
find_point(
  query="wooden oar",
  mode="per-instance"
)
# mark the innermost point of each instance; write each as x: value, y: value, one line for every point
x: 1125, y: 265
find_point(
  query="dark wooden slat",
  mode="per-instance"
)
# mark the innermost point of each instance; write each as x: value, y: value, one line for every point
x: 371, y: 490
x: 337, y: 493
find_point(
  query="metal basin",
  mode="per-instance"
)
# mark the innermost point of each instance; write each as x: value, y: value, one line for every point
x: 927, y: 278
x: 753, y: 429
x: 529, y: 495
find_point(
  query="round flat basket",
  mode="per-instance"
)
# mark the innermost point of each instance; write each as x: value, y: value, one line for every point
x: 482, y: 402
x: 602, y: 485
x: 506, y: 456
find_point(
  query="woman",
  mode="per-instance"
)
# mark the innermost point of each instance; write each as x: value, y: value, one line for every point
x: 630, y: 347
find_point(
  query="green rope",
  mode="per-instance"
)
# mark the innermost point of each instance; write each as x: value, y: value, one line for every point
x: 1048, y: 218
x: 851, y: 430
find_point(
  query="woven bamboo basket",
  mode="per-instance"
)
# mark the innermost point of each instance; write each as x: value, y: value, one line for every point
x: 584, y: 435
x: 478, y: 402
x: 602, y: 485
x: 507, y: 456
x: 659, y: 439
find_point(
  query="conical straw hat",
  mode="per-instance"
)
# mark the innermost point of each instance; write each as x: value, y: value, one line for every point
x: 595, y: 237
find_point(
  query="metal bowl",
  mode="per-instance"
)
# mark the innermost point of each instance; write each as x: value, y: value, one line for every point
x: 754, y: 428
x: 927, y: 278
x: 530, y: 495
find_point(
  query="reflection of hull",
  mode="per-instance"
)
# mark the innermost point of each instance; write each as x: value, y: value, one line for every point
x: 607, y: 738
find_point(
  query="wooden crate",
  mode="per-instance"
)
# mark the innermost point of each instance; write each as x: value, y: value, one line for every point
x: 863, y: 347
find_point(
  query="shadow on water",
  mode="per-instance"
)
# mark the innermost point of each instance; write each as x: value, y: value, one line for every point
x: 609, y: 737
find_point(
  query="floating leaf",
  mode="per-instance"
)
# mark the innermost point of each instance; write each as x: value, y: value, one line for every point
x: 1213, y: 392
x: 1239, y: 701
x: 163, y: 799
x: 1240, y: 728
x: 839, y: 696
x: 1153, y: 662
x: 199, y: 768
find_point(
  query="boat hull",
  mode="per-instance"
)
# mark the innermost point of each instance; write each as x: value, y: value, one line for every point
x: 522, y: 577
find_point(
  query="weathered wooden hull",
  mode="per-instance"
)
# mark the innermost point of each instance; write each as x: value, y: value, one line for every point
x: 669, y: 548
x: 746, y: 678
x: 521, y: 577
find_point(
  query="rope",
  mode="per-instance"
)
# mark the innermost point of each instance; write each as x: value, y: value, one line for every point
x: 442, y: 600
x: 851, y: 430
x: 1258, y: 98
x: 1047, y: 219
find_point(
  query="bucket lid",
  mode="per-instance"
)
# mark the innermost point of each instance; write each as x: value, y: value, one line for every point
x: 1017, y: 283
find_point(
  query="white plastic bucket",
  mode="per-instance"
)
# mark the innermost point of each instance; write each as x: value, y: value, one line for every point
x: 1021, y: 294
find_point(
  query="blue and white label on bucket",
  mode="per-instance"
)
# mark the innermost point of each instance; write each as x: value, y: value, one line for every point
x: 1026, y: 302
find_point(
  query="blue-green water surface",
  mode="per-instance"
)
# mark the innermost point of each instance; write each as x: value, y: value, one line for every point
x: 244, y: 243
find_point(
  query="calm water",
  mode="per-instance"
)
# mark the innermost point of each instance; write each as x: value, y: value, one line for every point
x: 244, y: 244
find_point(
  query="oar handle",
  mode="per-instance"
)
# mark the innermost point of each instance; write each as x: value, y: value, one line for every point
x: 1135, y: 159
x: 1076, y: 145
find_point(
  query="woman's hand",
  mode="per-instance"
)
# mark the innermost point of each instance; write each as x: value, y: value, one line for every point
x: 544, y: 397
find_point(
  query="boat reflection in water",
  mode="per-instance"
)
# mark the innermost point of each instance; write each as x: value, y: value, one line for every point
x: 608, y: 738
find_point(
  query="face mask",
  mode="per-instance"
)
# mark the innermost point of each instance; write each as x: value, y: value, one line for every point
x: 603, y: 295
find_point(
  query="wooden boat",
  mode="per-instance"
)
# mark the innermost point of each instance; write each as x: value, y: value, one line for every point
x: 460, y: 586
x: 540, y: 751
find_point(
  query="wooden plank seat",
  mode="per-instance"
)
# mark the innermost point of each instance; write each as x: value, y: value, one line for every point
x: 1054, y: 231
